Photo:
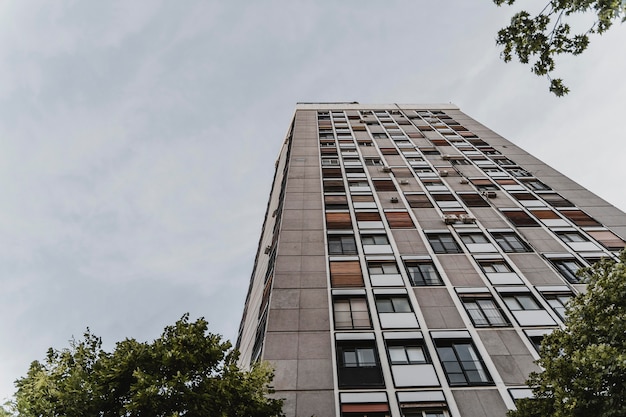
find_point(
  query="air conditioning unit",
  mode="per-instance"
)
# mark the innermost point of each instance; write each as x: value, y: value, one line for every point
x: 404, y: 182
x: 490, y: 194
x: 463, y: 181
x: 450, y: 218
x: 444, y: 173
x: 268, y: 248
x: 446, y: 157
x: 394, y: 199
x: 385, y: 169
x: 467, y: 218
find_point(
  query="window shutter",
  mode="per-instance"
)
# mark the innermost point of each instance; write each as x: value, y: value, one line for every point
x: 346, y: 274
x: 608, y: 239
x: 520, y: 218
x: 368, y: 216
x: 418, y: 200
x: 384, y: 185
x: 399, y: 219
x: 338, y: 221
x: 473, y: 200
x: 580, y: 218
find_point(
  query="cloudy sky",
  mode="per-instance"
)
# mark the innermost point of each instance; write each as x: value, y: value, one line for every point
x: 138, y: 139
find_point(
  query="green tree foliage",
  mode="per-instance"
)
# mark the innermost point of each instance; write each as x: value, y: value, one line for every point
x: 548, y: 33
x: 185, y: 372
x: 584, y: 365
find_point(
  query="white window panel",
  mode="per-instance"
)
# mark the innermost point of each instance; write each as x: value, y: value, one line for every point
x: 533, y: 318
x: 386, y: 280
x: 422, y: 375
x: 370, y: 225
x: 398, y: 320
x: 359, y: 189
x: 583, y: 246
x: 554, y: 222
x: 481, y: 247
x: 532, y: 203
x: 513, y: 187
x: 364, y: 204
x: 376, y: 249
x: 504, y: 278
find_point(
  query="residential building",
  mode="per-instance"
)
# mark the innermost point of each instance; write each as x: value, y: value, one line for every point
x: 410, y: 262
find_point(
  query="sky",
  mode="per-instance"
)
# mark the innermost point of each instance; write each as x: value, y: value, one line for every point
x: 138, y: 140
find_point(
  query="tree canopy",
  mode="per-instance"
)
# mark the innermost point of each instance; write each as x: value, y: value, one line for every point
x: 548, y: 33
x: 185, y: 372
x: 584, y: 365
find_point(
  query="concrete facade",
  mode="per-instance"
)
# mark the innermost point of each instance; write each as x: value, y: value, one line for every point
x: 410, y: 261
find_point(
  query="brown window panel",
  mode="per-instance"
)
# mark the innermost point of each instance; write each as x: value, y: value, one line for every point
x: 346, y: 274
x: 473, y: 200
x: 556, y: 200
x: 399, y: 219
x: 580, y: 218
x: 520, y: 218
x: 328, y: 151
x: 524, y: 196
x: 467, y: 134
x: 440, y: 142
x: 415, y: 135
x: 418, y: 200
x: 458, y: 128
x: 506, y: 181
x: 389, y: 151
x: 481, y: 181
x: 443, y: 197
x: 332, y: 173
x: 545, y: 214
x: 338, y: 221
x: 368, y: 216
x: 364, y: 408
x: 362, y: 198
x: 335, y: 199
x: 608, y: 239
x: 334, y: 186
x: 384, y: 185
x: 425, y: 128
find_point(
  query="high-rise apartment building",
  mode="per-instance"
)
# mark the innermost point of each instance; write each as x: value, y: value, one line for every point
x: 410, y: 262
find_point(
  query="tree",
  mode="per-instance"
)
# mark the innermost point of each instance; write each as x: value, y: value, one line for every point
x: 547, y: 34
x: 584, y: 365
x: 185, y: 372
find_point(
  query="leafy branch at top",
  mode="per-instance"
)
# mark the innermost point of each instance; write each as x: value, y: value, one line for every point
x: 544, y: 36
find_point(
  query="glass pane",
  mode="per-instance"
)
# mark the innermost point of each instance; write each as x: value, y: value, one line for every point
x: 527, y: 302
x: 401, y: 305
x: 384, y: 305
x: 366, y: 357
x: 349, y: 359
x: 415, y: 354
x: 397, y: 355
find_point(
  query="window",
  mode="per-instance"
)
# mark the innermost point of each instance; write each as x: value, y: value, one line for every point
x: 406, y: 353
x: 330, y: 162
x: 423, y: 274
x: 423, y: 413
x: 473, y: 238
x: 393, y: 304
x: 494, y: 267
x: 483, y: 184
x: 374, y: 239
x: 418, y: 200
x: 373, y: 161
x: 580, y: 218
x: 484, y: 312
x: 520, y: 302
x: 473, y: 200
x: 510, y: 242
x: 519, y: 218
x: 358, y: 364
x: 536, y: 185
x: 568, y: 268
x: 571, y: 237
x: 504, y: 161
x: 461, y: 363
x: 341, y: 245
x: 461, y: 161
x: 443, y: 243
x: 555, y: 200
x: 446, y: 200
x: 518, y: 172
x: 380, y: 268
x: 558, y: 303
x: 351, y: 313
